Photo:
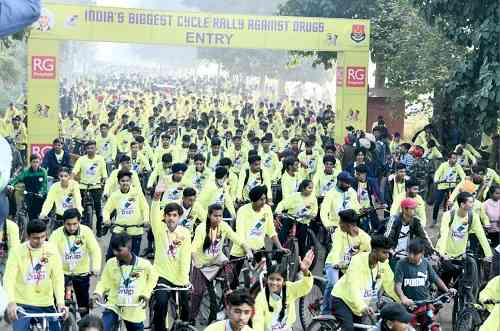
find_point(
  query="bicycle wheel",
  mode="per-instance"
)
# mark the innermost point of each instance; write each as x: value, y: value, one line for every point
x: 182, y: 326
x: 310, y: 305
x: 324, y: 325
x: 22, y: 221
x: 89, y: 213
x: 468, y: 320
x: 312, y: 241
x: 208, y: 307
x: 290, y: 262
x: 458, y: 303
x: 69, y: 324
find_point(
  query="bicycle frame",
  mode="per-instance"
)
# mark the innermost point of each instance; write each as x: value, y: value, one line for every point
x: 176, y: 290
x: 43, y: 316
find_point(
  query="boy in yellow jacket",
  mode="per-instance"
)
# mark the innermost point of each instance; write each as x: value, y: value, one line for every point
x: 34, y: 279
x: 77, y: 246
x: 491, y: 293
x: 128, y: 281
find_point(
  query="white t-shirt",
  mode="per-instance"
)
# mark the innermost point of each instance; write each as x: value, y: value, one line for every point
x: 404, y: 237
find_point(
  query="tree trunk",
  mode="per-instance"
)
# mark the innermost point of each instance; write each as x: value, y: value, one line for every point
x: 379, y: 71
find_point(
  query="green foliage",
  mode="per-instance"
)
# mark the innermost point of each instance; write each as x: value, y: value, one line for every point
x: 416, y: 56
x: 475, y: 84
x: 12, y: 70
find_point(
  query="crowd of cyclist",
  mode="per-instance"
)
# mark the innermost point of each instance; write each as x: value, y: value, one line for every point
x: 189, y: 175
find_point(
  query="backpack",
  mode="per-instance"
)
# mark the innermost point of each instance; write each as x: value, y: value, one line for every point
x: 469, y: 218
x: 247, y: 176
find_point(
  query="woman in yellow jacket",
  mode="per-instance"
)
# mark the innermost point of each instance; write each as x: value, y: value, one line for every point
x: 491, y: 293
x: 302, y: 205
x: 275, y: 304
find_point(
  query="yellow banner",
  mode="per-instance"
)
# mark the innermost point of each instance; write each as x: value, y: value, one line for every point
x: 91, y: 23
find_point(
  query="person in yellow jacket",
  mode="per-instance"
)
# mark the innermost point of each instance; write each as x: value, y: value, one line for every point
x: 193, y: 212
x: 173, y: 186
x: 160, y: 171
x: 254, y: 221
x: 250, y: 177
x: 112, y: 184
x: 290, y: 179
x: 208, y: 256
x: 217, y: 191
x: 276, y: 303
x: 139, y: 161
x: 304, y: 207
x: 90, y: 171
x: 64, y: 194
x: 77, y: 246
x: 357, y: 291
x: 240, y: 308
x: 106, y: 145
x: 342, y: 197
x: 237, y: 154
x: 127, y: 280
x: 166, y: 147
x: 309, y: 160
x: 132, y: 210
x: 456, y: 226
x: 446, y: 177
x: 199, y: 175
x: 34, y: 278
x: 491, y: 293
x: 9, y: 239
x: 172, y: 257
x: 411, y: 187
x: 348, y: 241
x: 325, y: 178
x: 270, y: 160
x: 477, y: 207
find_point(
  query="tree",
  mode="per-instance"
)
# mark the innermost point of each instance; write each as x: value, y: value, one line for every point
x: 474, y: 86
x: 410, y: 55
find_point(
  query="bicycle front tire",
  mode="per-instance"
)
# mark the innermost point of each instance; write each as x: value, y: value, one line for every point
x: 324, y: 325
x: 310, y: 305
x: 291, y: 261
x: 468, y: 320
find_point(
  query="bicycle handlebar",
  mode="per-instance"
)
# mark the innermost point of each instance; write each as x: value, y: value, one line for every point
x: 443, y: 298
x: 126, y: 226
x: 165, y: 287
x: 124, y: 305
x: 37, y: 315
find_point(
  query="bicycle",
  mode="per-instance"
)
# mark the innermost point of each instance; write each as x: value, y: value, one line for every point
x: 364, y: 220
x: 291, y: 260
x: 88, y: 205
x: 120, y: 324
x: 70, y: 297
x: 329, y: 323
x: 39, y: 321
x: 422, y: 307
x: 173, y: 321
x: 22, y: 215
x: 310, y: 305
x: 212, y: 306
x: 473, y: 316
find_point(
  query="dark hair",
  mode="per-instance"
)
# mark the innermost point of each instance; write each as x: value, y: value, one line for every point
x: 34, y: 157
x: 329, y: 158
x: 207, y: 242
x: 348, y: 216
x: 124, y: 158
x: 167, y: 158
x: 240, y: 297
x: 416, y: 246
x: 119, y: 240
x: 140, y: 139
x: 71, y: 213
x: 288, y: 162
x: 277, y: 269
x: 379, y: 241
x: 90, y: 321
x: 188, y: 192
x: 90, y: 143
x: 225, y: 162
x: 303, y: 184
x: 412, y: 182
x: 124, y: 173
x: 450, y: 154
x: 36, y: 226
x: 361, y: 168
x: 400, y: 166
x: 199, y: 157
x: 360, y: 150
x: 253, y: 158
x: 56, y: 141
x: 173, y: 206
x: 462, y: 197
x: 133, y: 143
x: 63, y: 169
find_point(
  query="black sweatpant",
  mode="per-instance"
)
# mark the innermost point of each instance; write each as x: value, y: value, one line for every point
x: 344, y: 315
x: 161, y: 299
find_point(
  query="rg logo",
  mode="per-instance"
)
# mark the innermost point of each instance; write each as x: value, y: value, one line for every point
x: 356, y: 76
x: 43, y: 67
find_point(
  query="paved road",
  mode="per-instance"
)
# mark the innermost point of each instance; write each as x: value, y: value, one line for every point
x: 444, y: 316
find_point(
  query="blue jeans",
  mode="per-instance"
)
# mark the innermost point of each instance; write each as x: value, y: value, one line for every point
x: 110, y: 318
x: 332, y: 276
x: 22, y: 324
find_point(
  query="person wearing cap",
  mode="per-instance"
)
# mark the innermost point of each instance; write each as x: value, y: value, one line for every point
x: 414, y: 276
x: 403, y: 227
x: 340, y: 198
x: 393, y: 317
x: 412, y: 188
x: 217, y: 191
x: 349, y: 241
x: 254, y: 221
x: 173, y: 185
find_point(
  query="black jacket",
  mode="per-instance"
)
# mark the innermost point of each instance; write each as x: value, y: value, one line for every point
x: 393, y: 230
x: 50, y: 162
